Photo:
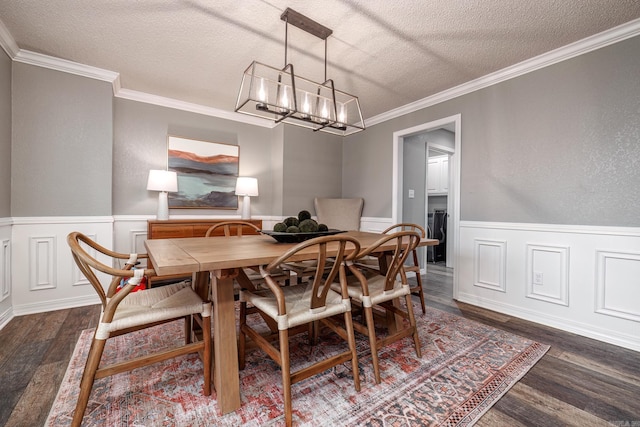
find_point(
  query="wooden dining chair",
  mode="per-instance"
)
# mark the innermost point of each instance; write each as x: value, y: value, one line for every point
x: 304, y: 304
x: 379, y: 288
x: 414, y: 265
x: 124, y: 311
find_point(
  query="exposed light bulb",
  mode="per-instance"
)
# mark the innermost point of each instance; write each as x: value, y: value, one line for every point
x: 263, y: 95
x: 306, y: 107
x: 342, y: 116
x: 284, y: 101
x: 325, y: 110
x: 262, y: 91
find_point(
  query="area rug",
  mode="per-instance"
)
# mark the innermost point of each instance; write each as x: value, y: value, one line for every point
x: 465, y: 368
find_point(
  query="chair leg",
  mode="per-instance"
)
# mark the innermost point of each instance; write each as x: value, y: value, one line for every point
x: 286, y: 376
x: 188, y: 328
x: 368, y: 312
x: 207, y: 356
x: 419, y: 281
x: 242, y: 338
x: 88, y: 377
x: 352, y: 346
x: 412, y: 322
x: 421, y: 292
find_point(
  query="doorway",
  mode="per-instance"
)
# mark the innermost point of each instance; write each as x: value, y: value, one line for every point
x: 452, y: 123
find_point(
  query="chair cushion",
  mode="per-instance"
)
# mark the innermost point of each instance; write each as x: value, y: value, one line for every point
x: 376, y: 291
x: 297, y: 305
x: 157, y: 304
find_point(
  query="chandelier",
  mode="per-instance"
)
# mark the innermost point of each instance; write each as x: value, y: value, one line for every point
x: 282, y: 96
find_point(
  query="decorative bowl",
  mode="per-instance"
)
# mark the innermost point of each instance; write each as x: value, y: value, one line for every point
x: 282, y: 237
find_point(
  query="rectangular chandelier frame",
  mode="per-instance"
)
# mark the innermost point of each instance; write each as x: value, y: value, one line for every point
x: 280, y: 95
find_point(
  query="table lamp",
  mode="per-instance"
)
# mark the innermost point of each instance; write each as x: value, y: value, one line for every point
x: 247, y: 187
x: 162, y: 181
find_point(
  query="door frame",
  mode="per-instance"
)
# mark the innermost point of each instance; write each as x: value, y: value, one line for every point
x: 453, y: 227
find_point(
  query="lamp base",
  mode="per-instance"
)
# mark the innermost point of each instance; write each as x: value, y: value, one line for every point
x: 163, y: 206
x: 246, y: 207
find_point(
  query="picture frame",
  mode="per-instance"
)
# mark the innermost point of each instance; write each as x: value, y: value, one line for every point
x: 207, y: 173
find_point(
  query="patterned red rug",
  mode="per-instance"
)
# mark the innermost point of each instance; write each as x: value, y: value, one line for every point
x: 465, y: 368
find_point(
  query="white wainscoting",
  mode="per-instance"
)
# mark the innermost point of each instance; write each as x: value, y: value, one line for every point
x: 6, y: 301
x: 44, y: 276
x: 581, y: 279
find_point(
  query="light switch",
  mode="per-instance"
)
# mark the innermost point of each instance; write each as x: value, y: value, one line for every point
x: 411, y: 194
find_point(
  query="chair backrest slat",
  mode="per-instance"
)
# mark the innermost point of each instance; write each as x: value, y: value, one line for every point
x: 330, y: 249
x: 405, y: 242
x: 229, y: 226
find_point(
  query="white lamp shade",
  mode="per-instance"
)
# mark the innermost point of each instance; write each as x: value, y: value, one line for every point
x: 246, y: 186
x: 162, y: 180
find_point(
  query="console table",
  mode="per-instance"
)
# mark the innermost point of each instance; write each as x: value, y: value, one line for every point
x: 178, y: 228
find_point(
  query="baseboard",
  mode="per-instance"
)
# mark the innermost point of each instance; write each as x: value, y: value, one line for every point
x: 60, y: 304
x: 585, y: 330
x: 6, y: 317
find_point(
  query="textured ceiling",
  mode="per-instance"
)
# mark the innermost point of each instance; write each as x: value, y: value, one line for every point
x: 389, y: 53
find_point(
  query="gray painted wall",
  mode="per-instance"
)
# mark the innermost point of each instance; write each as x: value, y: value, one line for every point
x: 5, y: 135
x: 292, y: 164
x: 62, y: 141
x: 313, y: 168
x: 140, y: 144
x: 560, y: 145
x: 414, y: 172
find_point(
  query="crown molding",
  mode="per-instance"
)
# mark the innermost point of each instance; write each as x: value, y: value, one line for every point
x: 193, y: 108
x: 7, y: 42
x: 58, y: 64
x: 597, y: 41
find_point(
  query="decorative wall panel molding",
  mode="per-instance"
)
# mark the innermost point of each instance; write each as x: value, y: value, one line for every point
x: 5, y: 269
x: 586, y: 277
x: 490, y: 262
x: 137, y: 238
x: 42, y: 263
x: 618, y: 284
x: 548, y: 273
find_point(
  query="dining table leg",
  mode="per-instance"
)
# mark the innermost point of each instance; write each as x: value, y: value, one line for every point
x: 226, y: 373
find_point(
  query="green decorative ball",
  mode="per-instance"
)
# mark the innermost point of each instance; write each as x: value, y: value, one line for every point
x: 302, y: 215
x: 308, y: 226
x: 323, y: 227
x: 291, y: 221
x: 293, y: 229
x: 280, y: 227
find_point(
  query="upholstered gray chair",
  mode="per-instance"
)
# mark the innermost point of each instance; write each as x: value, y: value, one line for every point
x: 341, y: 214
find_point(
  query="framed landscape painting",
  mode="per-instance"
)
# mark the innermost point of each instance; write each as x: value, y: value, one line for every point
x: 207, y: 173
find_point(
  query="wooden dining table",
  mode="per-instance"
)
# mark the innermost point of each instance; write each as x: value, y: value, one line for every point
x: 221, y: 259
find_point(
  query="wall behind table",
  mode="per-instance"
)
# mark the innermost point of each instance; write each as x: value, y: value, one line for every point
x: 312, y: 168
x: 140, y: 144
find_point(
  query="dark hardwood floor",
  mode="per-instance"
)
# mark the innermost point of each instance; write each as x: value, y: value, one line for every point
x: 579, y: 382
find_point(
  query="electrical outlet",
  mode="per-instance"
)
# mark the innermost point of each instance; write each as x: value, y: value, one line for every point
x: 538, y: 278
x: 411, y: 194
